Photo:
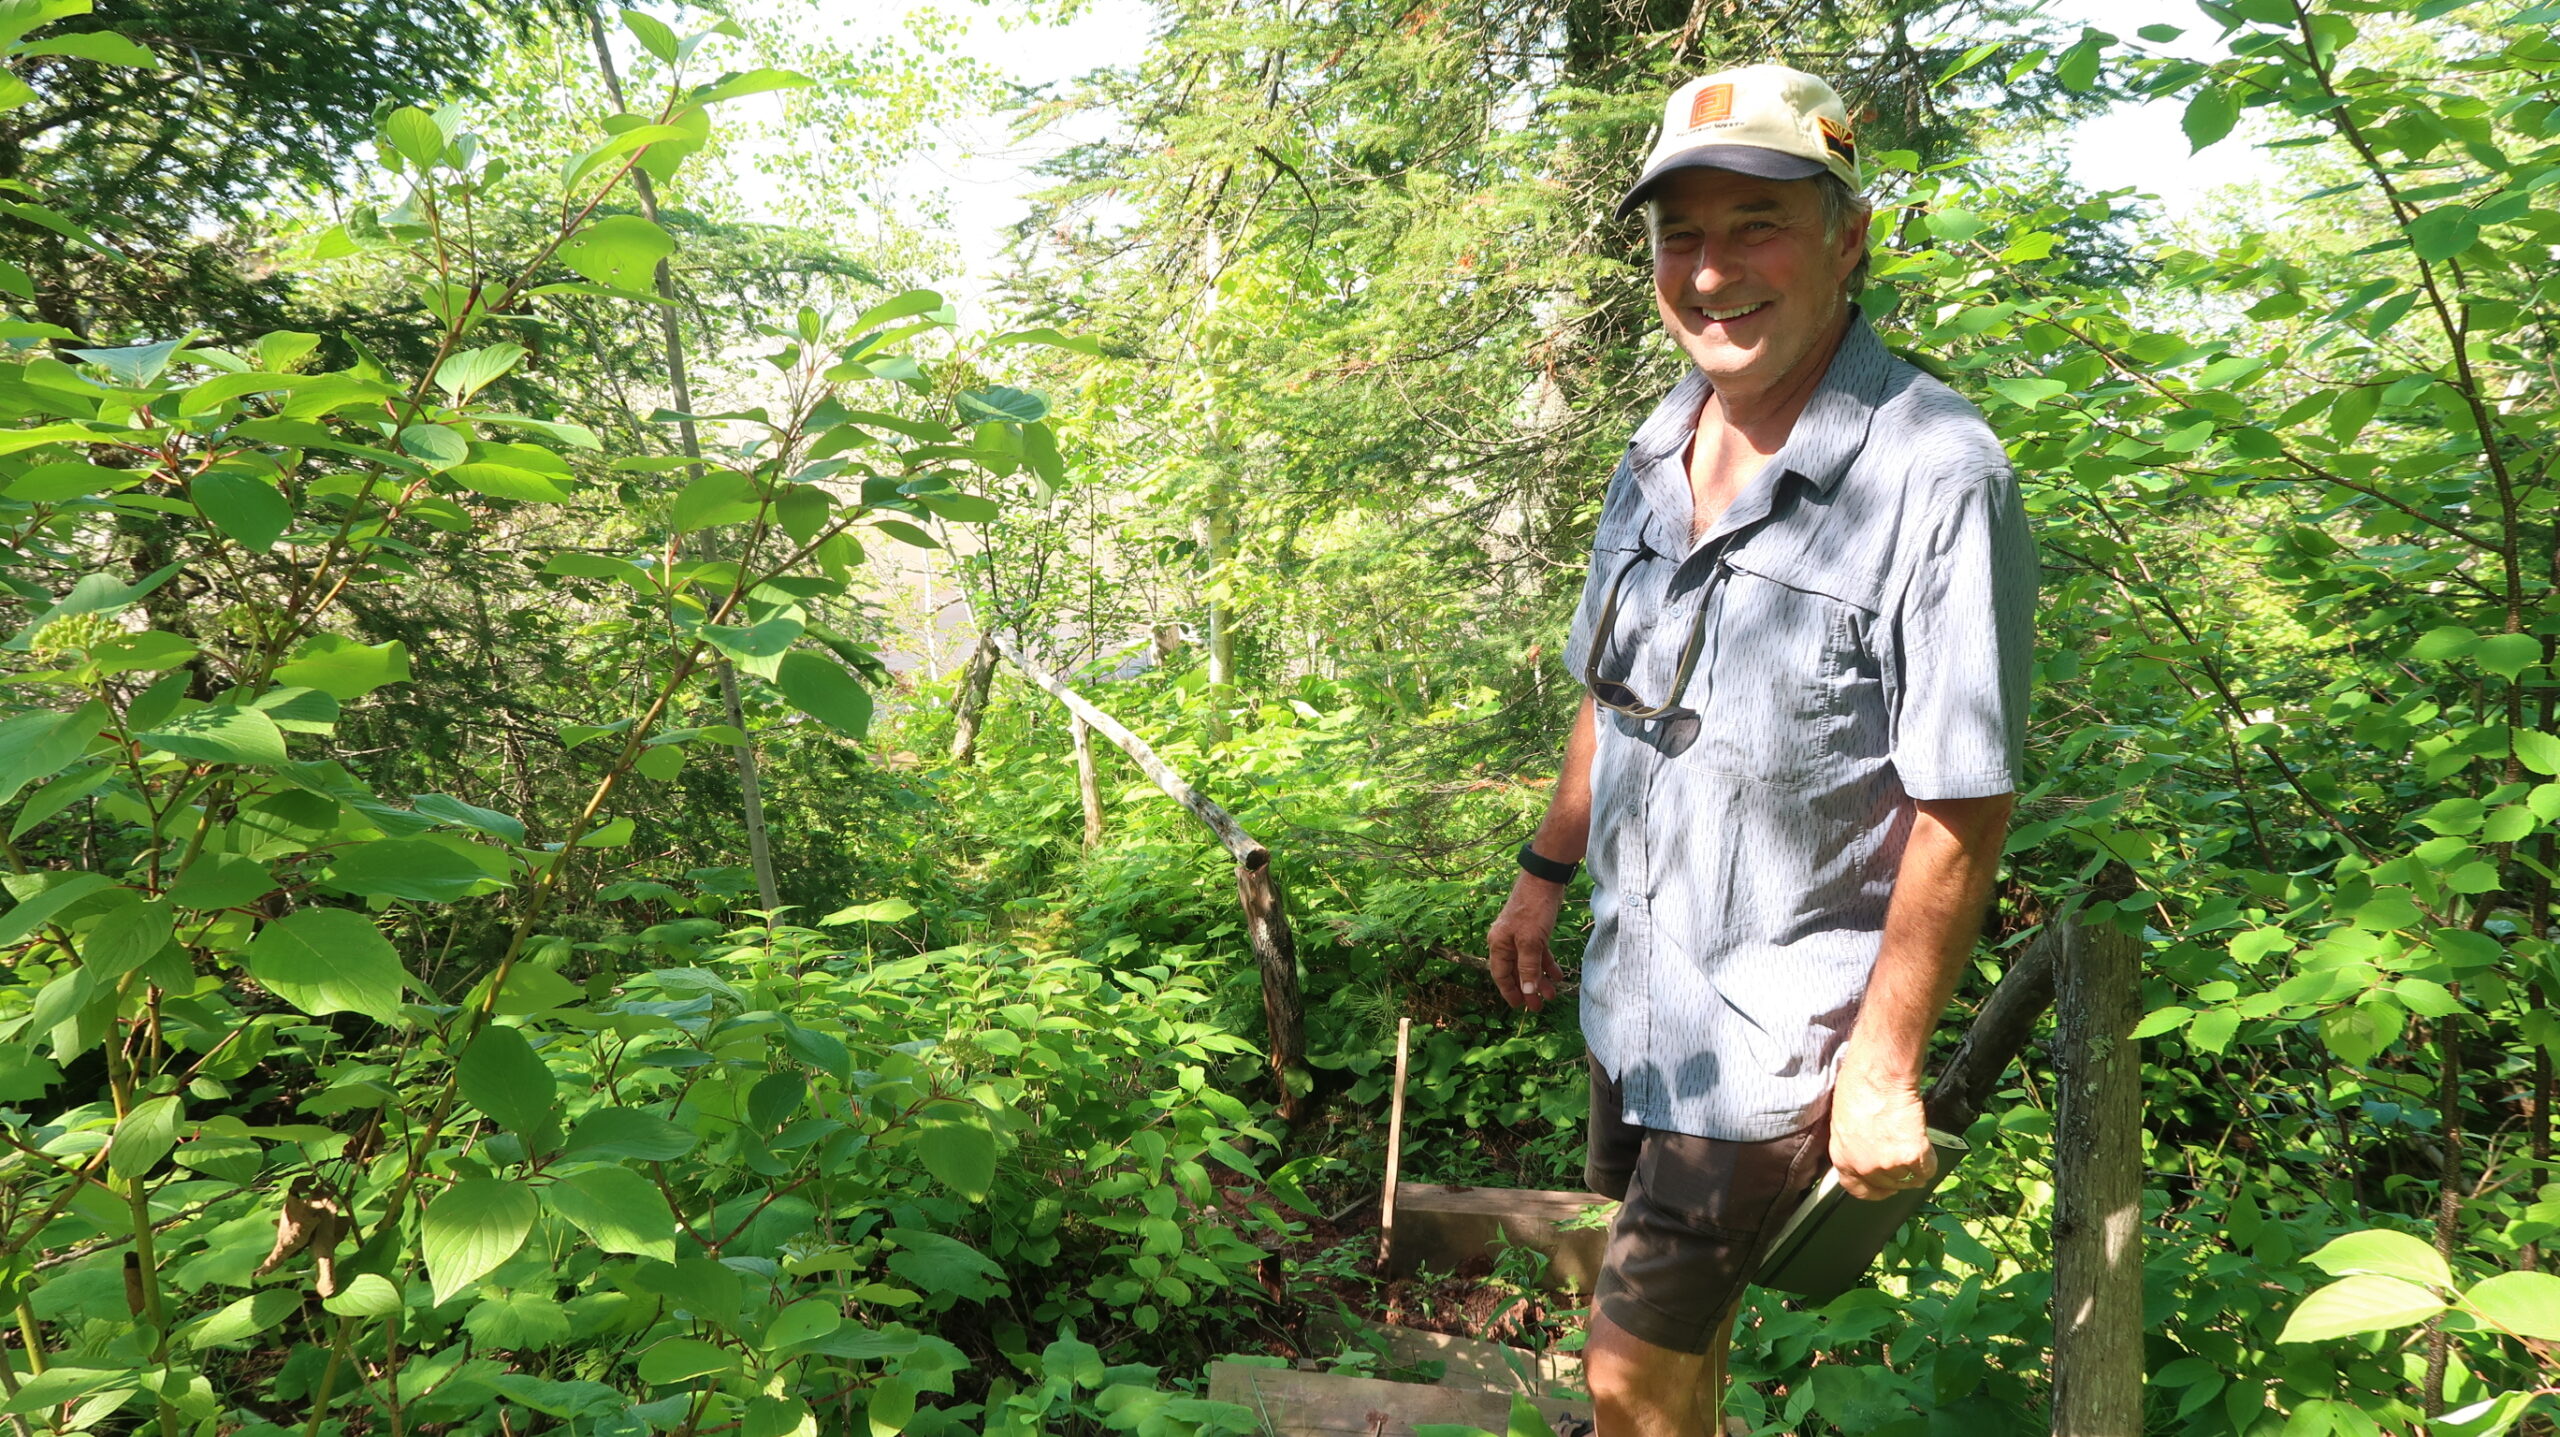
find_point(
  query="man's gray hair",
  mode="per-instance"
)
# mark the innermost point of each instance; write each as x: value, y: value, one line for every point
x: 1842, y: 205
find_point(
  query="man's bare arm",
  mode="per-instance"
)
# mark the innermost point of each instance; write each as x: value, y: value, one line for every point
x: 1879, y: 1133
x: 1516, y: 946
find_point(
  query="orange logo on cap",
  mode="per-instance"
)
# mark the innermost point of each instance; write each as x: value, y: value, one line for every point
x: 1715, y: 102
x: 1839, y: 139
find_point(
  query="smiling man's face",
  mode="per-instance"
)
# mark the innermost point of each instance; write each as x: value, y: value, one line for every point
x: 1746, y: 281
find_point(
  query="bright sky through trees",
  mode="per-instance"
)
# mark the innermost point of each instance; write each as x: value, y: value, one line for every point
x: 987, y: 174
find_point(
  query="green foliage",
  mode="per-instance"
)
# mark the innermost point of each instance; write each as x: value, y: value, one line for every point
x: 742, y: 1177
x: 375, y: 981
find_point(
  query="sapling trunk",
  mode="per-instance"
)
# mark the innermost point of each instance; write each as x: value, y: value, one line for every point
x: 680, y: 395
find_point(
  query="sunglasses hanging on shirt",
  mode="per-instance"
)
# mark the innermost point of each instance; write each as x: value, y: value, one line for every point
x: 1618, y: 697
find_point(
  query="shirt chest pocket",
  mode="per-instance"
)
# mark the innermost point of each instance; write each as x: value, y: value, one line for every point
x: 1788, y: 692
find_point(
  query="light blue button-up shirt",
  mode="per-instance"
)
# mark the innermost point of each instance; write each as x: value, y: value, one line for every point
x: 1869, y: 603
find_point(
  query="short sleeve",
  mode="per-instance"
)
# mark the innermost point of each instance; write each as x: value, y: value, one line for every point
x: 1965, y: 638
x: 1621, y: 520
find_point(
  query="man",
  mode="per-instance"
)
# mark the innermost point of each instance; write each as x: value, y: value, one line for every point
x: 1806, y: 637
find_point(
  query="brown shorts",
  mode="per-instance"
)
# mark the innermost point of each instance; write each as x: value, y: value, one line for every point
x: 1695, y: 1216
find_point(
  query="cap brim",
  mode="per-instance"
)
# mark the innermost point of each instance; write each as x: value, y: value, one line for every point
x: 1752, y: 160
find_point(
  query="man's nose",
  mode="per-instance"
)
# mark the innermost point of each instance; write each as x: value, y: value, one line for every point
x: 1716, y: 265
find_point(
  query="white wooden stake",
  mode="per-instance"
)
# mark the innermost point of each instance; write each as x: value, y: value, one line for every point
x: 1395, y: 1146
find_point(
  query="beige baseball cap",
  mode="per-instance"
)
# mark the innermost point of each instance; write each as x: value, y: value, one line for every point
x: 1763, y: 120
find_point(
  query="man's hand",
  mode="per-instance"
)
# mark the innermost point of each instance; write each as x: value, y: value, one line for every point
x: 1879, y: 1132
x: 1516, y: 946
x: 1880, y: 1138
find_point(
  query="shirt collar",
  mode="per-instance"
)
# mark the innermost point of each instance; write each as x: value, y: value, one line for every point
x: 1827, y: 435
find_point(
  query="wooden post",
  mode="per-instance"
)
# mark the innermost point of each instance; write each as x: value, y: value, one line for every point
x: 2097, y: 1212
x: 1395, y: 1148
x: 1266, y: 913
x: 1088, y: 786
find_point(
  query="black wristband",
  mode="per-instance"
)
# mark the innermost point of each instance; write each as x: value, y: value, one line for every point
x: 1537, y: 865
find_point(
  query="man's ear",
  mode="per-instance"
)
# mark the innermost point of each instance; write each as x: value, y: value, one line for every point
x: 1853, y: 232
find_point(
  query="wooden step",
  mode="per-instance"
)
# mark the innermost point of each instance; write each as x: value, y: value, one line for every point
x: 1323, y: 1404
x: 1440, y: 1226
x: 1483, y: 1366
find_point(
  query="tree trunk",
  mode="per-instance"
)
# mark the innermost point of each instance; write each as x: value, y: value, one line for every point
x: 1275, y: 951
x: 1266, y: 912
x: 1217, y: 521
x: 680, y: 397
x: 1088, y: 786
x: 2448, y: 1202
x: 969, y: 708
x: 2097, y: 1218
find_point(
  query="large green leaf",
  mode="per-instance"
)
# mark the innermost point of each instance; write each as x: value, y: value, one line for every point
x: 904, y: 306
x: 219, y: 733
x: 2443, y: 232
x: 343, y: 668
x: 104, y: 46
x: 502, y: 1076
x: 144, y: 1136
x: 247, y: 510
x: 124, y: 938
x: 720, y: 497
x: 1072, y: 1359
x: 2364, y: 1303
x: 652, y: 33
x: 437, y: 446
x: 444, y: 808
x: 367, y: 1295
x: 2209, y: 116
x: 244, y: 1319
x: 2380, y: 1250
x: 133, y: 364
x: 66, y: 480
x: 328, y: 960
x: 149, y: 651
x: 750, y: 82
x: 23, y: 919
x: 2524, y: 1303
x: 466, y: 374
x: 619, y: 1209
x: 822, y: 689
x: 93, y: 594
x: 627, y: 1133
x: 1050, y: 338
x: 36, y: 746
x: 512, y: 481
x: 414, y: 135
x: 559, y: 431
x: 802, y: 1321
x: 619, y: 250
x: 935, y: 1263
x: 416, y: 869
x: 222, y: 880
x: 1002, y: 402
x: 63, y: 1383
x: 755, y: 648
x: 961, y: 1154
x: 2538, y: 751
x: 891, y: 1406
x: 2359, y: 1033
x: 473, y: 1226
x: 683, y: 1359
